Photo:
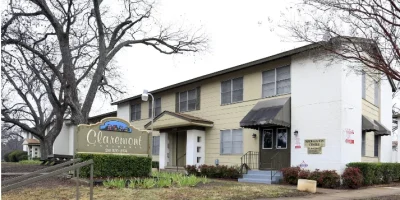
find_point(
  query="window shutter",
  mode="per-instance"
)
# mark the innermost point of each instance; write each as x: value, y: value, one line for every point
x: 177, y: 102
x: 198, y: 98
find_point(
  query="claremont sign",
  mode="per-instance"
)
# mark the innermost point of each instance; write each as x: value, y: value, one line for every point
x: 111, y: 135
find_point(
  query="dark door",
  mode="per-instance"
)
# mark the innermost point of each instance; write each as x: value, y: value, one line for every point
x: 274, y: 147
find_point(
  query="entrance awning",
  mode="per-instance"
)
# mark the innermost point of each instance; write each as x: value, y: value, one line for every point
x: 368, y: 124
x: 268, y: 113
x: 382, y: 130
x: 168, y: 119
x: 373, y: 125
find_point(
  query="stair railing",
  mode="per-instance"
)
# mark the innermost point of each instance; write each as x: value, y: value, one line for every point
x: 276, y: 165
x: 177, y: 160
x: 249, y: 160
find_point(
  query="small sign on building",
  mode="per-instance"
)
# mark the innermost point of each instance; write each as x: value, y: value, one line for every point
x: 314, y: 146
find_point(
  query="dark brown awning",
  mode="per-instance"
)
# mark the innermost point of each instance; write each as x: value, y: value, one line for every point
x: 382, y: 130
x: 269, y: 112
x: 368, y: 124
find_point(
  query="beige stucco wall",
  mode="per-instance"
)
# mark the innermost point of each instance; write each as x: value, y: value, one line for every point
x: 371, y: 111
x: 223, y: 116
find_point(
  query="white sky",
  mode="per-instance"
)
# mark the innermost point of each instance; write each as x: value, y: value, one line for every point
x: 239, y: 32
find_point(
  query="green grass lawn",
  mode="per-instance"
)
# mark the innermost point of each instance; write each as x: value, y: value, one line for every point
x: 215, y: 189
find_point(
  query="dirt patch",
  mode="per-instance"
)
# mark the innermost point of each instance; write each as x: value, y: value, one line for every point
x: 392, y: 197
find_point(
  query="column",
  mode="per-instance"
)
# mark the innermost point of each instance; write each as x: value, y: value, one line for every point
x: 195, y: 147
x: 163, y: 159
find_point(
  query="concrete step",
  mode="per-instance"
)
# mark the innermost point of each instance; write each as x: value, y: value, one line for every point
x: 249, y: 180
x: 265, y: 172
x: 256, y: 176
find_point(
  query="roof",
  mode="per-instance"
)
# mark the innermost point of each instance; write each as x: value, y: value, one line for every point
x: 113, y: 113
x: 185, y: 117
x: 268, y: 112
x: 31, y: 141
x: 243, y: 66
x: 232, y: 69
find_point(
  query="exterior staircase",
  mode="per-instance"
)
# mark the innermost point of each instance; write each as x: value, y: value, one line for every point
x: 261, y: 176
x: 169, y: 169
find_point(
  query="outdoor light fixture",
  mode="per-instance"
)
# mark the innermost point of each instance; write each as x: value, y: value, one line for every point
x: 296, y: 133
x: 145, y: 95
x: 216, y: 162
x: 254, y: 135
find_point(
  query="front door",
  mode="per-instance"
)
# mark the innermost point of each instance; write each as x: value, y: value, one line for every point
x: 274, y: 147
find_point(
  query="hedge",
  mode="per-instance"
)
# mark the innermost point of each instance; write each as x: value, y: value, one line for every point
x: 17, y: 155
x: 377, y: 173
x: 212, y: 171
x: 109, y: 165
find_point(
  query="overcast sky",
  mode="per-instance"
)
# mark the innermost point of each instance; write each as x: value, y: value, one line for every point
x: 239, y: 32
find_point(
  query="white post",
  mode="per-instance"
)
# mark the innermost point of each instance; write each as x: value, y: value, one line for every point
x: 195, y: 140
x: 163, y: 159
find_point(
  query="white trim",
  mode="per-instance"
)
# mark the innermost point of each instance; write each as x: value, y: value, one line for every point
x: 262, y: 141
x: 276, y: 142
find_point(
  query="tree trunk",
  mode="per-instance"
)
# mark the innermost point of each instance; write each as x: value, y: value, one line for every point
x: 46, y: 148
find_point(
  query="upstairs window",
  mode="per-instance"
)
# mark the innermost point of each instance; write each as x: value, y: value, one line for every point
x: 188, y: 100
x: 135, y: 112
x: 276, y: 82
x: 157, y: 107
x: 232, y: 91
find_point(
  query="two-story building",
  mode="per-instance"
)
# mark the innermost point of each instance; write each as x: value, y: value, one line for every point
x: 289, y: 107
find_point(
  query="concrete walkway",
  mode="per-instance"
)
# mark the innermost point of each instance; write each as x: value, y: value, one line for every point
x: 328, y: 194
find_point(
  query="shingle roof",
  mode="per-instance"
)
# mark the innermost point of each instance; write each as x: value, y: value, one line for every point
x: 183, y: 116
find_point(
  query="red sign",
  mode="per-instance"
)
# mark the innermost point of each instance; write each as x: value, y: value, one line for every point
x: 349, y: 133
x: 350, y: 141
x: 297, y: 147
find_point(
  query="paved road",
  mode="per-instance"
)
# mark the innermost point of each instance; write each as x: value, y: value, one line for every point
x: 348, y: 194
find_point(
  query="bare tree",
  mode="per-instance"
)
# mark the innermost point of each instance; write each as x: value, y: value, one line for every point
x: 67, y: 47
x: 359, y: 31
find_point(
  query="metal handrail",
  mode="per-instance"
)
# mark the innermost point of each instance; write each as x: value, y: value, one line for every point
x: 273, y: 161
x: 251, y: 160
x: 57, y: 172
x: 178, y: 160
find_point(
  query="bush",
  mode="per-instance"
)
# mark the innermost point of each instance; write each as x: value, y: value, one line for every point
x: 155, y: 164
x: 352, y: 178
x: 290, y: 175
x: 329, y: 179
x: 316, y: 176
x: 17, y: 155
x: 191, y: 169
x: 108, y: 165
x: 377, y: 173
x: 304, y: 174
x: 6, y: 156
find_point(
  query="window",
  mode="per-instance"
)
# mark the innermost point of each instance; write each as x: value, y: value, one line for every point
x: 267, y: 139
x: 281, y: 138
x: 156, y: 145
x: 363, y: 144
x: 187, y: 100
x: 232, y: 91
x: 276, y: 81
x: 157, y: 109
x: 232, y: 141
x: 198, y: 149
x: 376, y: 146
x: 198, y: 159
x: 135, y: 112
x: 363, y: 86
x: 376, y: 93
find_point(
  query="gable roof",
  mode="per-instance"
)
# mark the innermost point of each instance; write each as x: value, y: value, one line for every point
x: 182, y: 116
x: 239, y: 67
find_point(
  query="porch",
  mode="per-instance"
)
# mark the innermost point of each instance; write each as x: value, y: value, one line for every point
x: 182, y: 139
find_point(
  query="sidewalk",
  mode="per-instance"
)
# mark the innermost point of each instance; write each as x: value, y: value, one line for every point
x: 328, y: 194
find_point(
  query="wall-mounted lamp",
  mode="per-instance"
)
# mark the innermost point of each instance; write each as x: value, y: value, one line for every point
x: 296, y: 133
x: 254, y: 135
x: 216, y: 162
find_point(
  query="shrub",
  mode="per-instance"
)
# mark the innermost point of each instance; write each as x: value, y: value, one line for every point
x: 376, y: 173
x: 291, y: 175
x: 304, y: 174
x: 329, y: 179
x: 155, y: 164
x: 108, y: 165
x: 114, y: 183
x: 6, y: 156
x: 352, y: 177
x: 316, y: 176
x: 191, y: 169
x: 220, y: 171
x: 17, y: 155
